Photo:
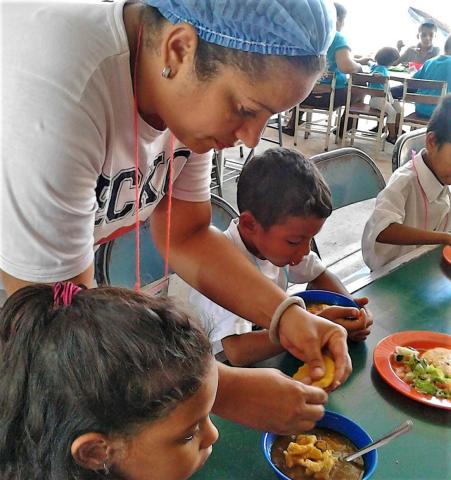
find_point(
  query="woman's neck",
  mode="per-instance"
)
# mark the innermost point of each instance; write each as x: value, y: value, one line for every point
x: 133, y: 13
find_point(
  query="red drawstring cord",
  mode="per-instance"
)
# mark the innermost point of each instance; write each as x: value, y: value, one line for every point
x: 135, y: 125
x: 168, y: 217
x: 171, y: 162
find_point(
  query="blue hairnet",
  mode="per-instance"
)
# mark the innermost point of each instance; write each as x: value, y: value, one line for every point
x: 272, y: 27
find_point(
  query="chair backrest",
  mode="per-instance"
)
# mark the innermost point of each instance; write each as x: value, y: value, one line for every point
x: 351, y: 174
x: 115, y: 260
x: 406, y: 143
x: 364, y: 84
x: 426, y: 91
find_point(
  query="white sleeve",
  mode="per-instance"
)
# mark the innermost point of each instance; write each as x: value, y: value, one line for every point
x: 307, y: 270
x: 216, y: 320
x: 52, y: 155
x: 193, y: 183
x: 389, y: 208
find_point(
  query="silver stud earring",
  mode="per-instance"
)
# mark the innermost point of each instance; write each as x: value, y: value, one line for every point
x: 106, y: 469
x: 166, y: 72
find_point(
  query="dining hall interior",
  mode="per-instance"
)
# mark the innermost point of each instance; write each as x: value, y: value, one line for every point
x: 254, y: 294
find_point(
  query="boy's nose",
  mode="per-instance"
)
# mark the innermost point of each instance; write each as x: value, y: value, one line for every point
x: 210, y: 436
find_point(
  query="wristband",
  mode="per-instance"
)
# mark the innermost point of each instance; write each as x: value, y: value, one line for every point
x: 280, y: 310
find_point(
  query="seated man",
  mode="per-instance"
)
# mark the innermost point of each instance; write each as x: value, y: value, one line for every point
x: 283, y: 202
x: 419, y: 53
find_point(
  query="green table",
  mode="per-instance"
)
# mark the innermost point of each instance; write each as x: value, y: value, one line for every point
x: 416, y: 296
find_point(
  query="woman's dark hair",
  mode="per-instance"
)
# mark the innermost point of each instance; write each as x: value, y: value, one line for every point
x: 440, y: 122
x: 210, y: 57
x: 448, y: 46
x: 280, y: 183
x: 387, y: 56
x: 341, y: 11
x: 110, y: 362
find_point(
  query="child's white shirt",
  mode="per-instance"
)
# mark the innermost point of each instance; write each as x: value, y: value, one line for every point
x: 412, y: 194
x: 219, y: 322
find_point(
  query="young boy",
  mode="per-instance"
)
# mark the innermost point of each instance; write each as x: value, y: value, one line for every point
x: 283, y: 203
x: 414, y: 207
x: 425, y: 49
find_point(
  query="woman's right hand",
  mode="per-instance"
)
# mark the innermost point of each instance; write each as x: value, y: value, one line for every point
x: 304, y: 335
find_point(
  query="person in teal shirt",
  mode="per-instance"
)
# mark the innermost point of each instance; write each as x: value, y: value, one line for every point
x: 437, y: 68
x: 340, y: 62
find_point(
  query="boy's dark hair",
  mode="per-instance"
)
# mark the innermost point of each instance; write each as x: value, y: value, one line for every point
x: 429, y: 23
x: 110, y: 362
x: 440, y: 122
x: 341, y: 11
x: 448, y: 45
x: 387, y: 56
x: 280, y: 183
x: 210, y: 57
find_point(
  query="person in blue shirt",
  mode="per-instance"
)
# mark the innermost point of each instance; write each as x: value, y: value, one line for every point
x: 386, y: 57
x: 340, y: 62
x: 439, y: 69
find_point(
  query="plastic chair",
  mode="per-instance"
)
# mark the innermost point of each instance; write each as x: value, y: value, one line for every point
x: 357, y: 87
x: 413, y: 120
x: 411, y: 141
x: 325, y: 124
x: 115, y: 260
x: 352, y: 177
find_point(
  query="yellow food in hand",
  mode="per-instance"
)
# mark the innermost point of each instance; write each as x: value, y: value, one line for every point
x: 323, y: 382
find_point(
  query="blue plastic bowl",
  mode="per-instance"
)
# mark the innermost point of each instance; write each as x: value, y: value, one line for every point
x: 337, y: 423
x: 324, y: 296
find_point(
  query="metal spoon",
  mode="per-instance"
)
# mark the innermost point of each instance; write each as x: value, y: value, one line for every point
x: 403, y: 428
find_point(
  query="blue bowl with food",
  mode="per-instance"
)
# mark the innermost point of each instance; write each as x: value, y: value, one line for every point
x: 321, y: 450
x: 317, y: 300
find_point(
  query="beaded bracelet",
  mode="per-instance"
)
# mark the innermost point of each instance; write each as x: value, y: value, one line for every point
x: 280, y: 310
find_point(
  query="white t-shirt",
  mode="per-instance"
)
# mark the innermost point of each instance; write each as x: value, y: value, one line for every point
x: 412, y: 194
x: 219, y: 322
x: 68, y: 140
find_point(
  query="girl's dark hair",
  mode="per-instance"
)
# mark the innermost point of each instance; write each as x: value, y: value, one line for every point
x: 341, y: 11
x: 447, y: 47
x: 210, y: 57
x: 387, y: 56
x: 110, y: 362
x: 280, y: 183
x: 440, y: 122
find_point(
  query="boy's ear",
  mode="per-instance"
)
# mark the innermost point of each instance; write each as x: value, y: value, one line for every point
x: 431, y: 144
x: 90, y: 451
x: 248, y: 223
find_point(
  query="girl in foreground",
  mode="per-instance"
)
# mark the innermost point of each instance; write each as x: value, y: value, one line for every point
x: 102, y: 382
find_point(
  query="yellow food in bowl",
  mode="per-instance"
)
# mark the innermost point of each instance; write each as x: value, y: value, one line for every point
x: 323, y: 382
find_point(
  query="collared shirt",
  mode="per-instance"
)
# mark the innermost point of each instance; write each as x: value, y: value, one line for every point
x: 221, y: 323
x: 403, y: 202
x: 415, y: 55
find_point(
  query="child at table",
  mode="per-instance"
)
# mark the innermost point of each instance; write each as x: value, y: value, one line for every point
x: 414, y: 207
x: 439, y: 69
x: 283, y: 203
x: 102, y: 383
x: 386, y: 57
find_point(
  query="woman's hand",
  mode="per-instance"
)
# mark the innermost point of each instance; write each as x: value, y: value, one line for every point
x: 304, y: 335
x: 268, y: 400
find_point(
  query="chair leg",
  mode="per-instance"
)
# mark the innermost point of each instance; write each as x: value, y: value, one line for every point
x: 296, y: 121
x: 279, y: 128
x: 308, y: 124
x: 353, y: 130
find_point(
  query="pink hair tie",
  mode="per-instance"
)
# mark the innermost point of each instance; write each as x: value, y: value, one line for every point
x: 63, y: 293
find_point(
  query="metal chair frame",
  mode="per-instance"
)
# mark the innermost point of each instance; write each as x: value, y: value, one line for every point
x: 406, y: 143
x: 357, y: 86
x: 318, y: 126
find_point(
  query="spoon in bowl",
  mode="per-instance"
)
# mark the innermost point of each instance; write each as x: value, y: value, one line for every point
x: 403, y: 428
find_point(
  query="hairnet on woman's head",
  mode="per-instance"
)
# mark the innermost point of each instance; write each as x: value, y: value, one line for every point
x: 271, y: 27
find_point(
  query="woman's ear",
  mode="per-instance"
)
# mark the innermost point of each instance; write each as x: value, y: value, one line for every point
x: 90, y: 451
x: 179, y: 47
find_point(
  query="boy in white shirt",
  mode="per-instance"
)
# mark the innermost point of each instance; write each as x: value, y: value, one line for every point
x: 414, y: 207
x: 283, y: 203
